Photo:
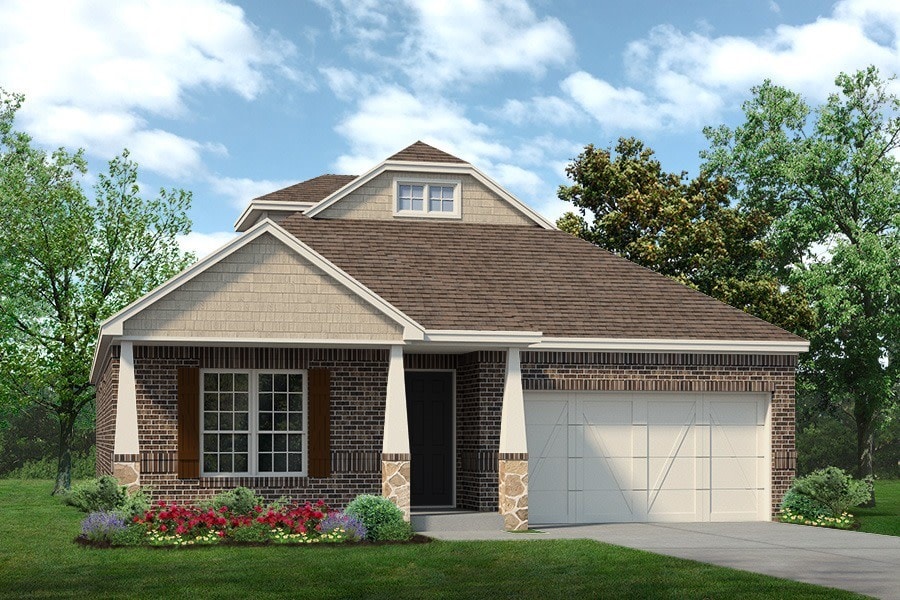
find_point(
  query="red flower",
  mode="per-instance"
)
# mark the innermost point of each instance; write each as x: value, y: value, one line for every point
x: 163, y: 528
x: 224, y: 509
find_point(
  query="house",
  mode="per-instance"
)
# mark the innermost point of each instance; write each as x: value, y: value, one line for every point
x: 417, y: 331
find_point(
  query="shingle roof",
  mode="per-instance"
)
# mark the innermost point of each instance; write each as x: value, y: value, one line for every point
x: 311, y: 190
x: 422, y: 152
x: 493, y: 277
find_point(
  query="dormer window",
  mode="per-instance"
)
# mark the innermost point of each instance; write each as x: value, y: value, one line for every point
x: 434, y: 199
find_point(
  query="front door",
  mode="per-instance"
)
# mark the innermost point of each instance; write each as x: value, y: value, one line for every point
x: 429, y: 406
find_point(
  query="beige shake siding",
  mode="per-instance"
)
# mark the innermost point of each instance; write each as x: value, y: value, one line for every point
x: 263, y: 290
x: 375, y: 199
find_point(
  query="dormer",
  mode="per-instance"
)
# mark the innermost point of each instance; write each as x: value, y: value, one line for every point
x: 418, y: 183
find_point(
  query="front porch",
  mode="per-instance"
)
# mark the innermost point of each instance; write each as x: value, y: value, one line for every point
x: 454, y: 434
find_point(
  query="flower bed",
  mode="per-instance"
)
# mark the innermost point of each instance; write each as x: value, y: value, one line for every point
x: 844, y: 521
x: 185, y: 525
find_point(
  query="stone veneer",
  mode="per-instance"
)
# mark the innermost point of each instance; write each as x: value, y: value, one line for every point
x: 513, y: 497
x: 395, y: 480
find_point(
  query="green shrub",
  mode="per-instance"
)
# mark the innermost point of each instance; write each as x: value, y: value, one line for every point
x: 240, y: 500
x: 381, y: 517
x: 131, y: 535
x: 257, y: 532
x: 83, y: 467
x: 103, y: 494
x: 832, y: 488
x: 801, y: 504
x: 136, y: 503
x: 395, y: 531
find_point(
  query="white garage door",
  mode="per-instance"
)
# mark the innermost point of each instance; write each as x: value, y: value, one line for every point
x: 613, y: 457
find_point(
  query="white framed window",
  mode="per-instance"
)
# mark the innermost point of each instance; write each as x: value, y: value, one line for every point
x: 253, y: 422
x: 417, y: 198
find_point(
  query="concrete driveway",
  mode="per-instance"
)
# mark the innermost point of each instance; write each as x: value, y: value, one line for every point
x: 860, y: 562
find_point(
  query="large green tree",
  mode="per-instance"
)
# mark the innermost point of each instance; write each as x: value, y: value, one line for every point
x: 66, y: 263
x: 680, y: 227
x: 830, y: 178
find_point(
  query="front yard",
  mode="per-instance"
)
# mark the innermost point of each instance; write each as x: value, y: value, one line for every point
x: 38, y: 559
x: 885, y: 517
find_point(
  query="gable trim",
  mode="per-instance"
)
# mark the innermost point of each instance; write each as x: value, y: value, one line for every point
x: 114, y: 325
x: 255, y: 207
x: 434, y: 168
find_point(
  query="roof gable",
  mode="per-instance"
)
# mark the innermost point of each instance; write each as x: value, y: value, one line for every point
x: 309, y: 191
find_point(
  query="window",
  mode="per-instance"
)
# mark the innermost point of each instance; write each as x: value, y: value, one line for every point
x: 254, y: 422
x: 427, y: 199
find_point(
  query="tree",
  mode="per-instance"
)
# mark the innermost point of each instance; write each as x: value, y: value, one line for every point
x: 829, y: 177
x: 682, y: 228
x: 69, y: 262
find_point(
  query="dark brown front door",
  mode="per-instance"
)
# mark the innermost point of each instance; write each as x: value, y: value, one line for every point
x: 429, y: 406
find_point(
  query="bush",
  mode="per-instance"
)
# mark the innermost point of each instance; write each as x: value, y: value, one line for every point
x: 396, y: 531
x: 832, y: 488
x: 45, y: 468
x: 135, y: 504
x: 381, y: 517
x: 801, y: 504
x: 239, y: 501
x: 103, y: 494
x: 255, y: 532
x: 101, y: 526
x: 131, y: 535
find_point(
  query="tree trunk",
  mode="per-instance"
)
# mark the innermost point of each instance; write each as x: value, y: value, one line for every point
x: 64, y: 464
x: 865, y: 453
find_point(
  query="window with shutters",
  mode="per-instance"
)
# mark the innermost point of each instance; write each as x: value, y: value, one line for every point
x: 253, y: 423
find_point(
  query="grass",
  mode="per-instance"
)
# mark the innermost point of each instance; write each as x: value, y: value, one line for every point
x: 39, y: 560
x: 884, y: 518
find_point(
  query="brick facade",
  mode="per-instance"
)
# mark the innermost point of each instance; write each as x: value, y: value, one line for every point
x: 105, y: 402
x: 359, y: 380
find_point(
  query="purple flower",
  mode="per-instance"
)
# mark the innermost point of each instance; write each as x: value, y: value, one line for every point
x: 353, y: 527
x: 101, y: 526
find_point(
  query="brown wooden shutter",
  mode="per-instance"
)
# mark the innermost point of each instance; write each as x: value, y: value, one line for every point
x: 319, y: 389
x: 188, y: 422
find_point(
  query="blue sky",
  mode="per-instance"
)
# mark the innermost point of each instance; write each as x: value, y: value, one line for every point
x: 233, y: 100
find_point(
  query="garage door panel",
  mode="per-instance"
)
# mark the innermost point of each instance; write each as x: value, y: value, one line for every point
x: 673, y: 474
x: 672, y: 505
x: 613, y: 457
x: 740, y: 441
x: 734, y: 473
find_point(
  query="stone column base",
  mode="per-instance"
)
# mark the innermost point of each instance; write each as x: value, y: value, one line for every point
x: 127, y: 470
x: 513, y: 470
x: 395, y: 480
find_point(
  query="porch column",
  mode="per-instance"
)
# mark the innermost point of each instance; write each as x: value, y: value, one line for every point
x: 513, y: 457
x: 126, y: 452
x: 395, y: 451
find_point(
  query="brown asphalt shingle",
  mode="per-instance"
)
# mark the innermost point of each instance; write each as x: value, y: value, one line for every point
x: 422, y: 152
x: 311, y: 190
x: 499, y: 277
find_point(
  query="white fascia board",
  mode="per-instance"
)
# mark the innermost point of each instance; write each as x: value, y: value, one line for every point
x: 259, y: 206
x: 663, y: 345
x: 438, y: 168
x: 113, y: 326
x: 498, y: 338
x: 232, y: 342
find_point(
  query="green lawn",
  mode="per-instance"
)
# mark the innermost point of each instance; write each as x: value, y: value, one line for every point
x: 39, y: 560
x: 885, y: 517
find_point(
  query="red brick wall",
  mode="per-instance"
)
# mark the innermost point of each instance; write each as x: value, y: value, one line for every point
x: 358, y: 380
x: 613, y: 371
x: 105, y: 402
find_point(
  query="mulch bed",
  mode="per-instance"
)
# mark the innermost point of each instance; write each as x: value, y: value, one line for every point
x: 415, y: 539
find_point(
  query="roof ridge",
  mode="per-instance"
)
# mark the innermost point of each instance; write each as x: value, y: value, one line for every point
x: 419, y: 151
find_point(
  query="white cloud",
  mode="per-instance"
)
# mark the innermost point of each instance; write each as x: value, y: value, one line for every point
x: 451, y: 42
x: 477, y: 38
x: 93, y: 72
x: 241, y: 190
x: 684, y: 80
x: 551, y: 110
x: 202, y: 244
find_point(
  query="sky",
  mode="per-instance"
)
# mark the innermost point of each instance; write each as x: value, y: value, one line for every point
x: 232, y: 100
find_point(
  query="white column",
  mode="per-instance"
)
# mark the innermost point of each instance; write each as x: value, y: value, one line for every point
x: 126, y: 441
x: 512, y: 419
x: 396, y: 430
